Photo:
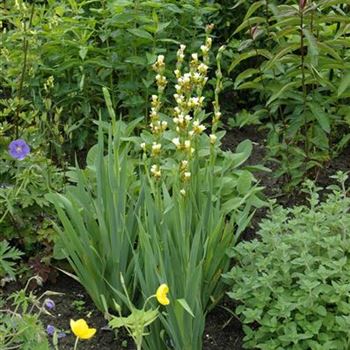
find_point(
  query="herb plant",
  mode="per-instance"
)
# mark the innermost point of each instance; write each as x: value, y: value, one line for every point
x: 292, y: 282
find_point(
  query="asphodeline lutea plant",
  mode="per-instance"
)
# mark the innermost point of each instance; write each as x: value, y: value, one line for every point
x: 194, y: 196
x: 139, y: 319
x: 187, y: 114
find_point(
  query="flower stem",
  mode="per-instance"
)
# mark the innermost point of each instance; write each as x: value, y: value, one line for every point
x: 76, y: 343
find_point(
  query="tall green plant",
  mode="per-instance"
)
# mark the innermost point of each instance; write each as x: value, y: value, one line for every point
x: 162, y: 212
x: 99, y: 219
x: 197, y: 202
x: 298, y: 61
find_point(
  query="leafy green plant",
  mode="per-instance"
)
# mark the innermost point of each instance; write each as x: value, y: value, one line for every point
x: 20, y: 326
x: 8, y: 257
x: 168, y: 198
x: 98, y: 215
x: 24, y: 211
x: 139, y: 319
x: 79, y: 305
x: 79, y: 46
x: 292, y: 282
x: 295, y: 62
x: 198, y: 202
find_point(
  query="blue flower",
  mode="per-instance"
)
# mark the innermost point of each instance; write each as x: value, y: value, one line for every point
x: 19, y: 149
x: 50, y: 329
x: 49, y: 304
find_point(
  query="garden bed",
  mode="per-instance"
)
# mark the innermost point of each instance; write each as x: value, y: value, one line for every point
x: 223, y: 330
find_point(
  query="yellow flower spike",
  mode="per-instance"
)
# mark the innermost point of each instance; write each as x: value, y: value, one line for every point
x: 81, y: 330
x: 161, y: 294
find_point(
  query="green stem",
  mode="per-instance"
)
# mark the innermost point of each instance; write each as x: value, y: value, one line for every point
x: 302, y: 57
x: 24, y: 68
x: 76, y: 343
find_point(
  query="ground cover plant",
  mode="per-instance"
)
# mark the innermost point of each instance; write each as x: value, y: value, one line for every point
x: 292, y: 281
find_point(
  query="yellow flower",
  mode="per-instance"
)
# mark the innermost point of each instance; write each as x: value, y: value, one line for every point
x: 81, y: 329
x: 161, y: 294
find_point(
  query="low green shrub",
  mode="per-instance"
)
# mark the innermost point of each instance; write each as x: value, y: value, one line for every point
x: 293, y: 282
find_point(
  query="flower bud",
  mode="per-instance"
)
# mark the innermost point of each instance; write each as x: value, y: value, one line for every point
x: 213, y: 138
x: 302, y: 4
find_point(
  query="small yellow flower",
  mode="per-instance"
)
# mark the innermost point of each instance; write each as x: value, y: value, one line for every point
x: 155, y: 171
x: 156, y: 148
x: 187, y: 175
x: 213, y: 138
x: 161, y: 294
x: 81, y: 329
x: 176, y: 142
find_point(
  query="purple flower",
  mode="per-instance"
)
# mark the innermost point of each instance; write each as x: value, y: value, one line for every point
x: 50, y: 329
x: 18, y: 149
x: 49, y: 304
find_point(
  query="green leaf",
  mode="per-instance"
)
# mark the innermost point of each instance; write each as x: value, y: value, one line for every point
x: 321, y: 116
x: 141, y: 33
x: 312, y: 47
x: 250, y: 54
x: 253, y: 8
x: 185, y: 306
x: 280, y: 91
x: 344, y: 84
x: 244, y: 182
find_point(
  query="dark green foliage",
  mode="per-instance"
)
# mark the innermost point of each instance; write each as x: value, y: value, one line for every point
x: 25, y: 214
x: 295, y: 62
x: 82, y: 46
x: 8, y: 256
x: 293, y: 282
x: 55, y: 58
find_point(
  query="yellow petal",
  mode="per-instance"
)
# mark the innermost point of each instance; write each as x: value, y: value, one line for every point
x: 81, y: 329
x: 161, y: 294
x: 89, y: 333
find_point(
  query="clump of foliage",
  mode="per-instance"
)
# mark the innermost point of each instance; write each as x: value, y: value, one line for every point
x: 293, y: 282
x: 56, y: 56
x: 75, y: 48
x: 25, y: 214
x: 20, y: 325
x: 161, y: 208
x: 295, y: 62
